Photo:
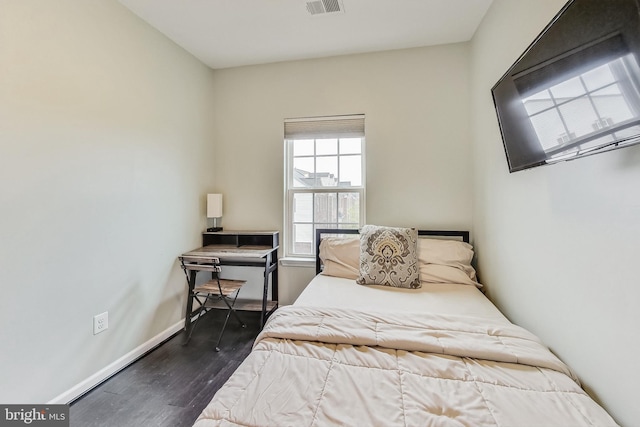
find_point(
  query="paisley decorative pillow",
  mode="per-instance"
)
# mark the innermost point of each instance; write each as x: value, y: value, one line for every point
x: 389, y: 256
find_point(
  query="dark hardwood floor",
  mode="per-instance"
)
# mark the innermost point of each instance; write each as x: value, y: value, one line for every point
x: 172, y: 384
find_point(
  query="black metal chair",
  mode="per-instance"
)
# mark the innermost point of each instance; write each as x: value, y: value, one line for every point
x: 217, y: 293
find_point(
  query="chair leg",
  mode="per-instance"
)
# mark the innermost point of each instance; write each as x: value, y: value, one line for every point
x: 203, y: 311
x: 223, y: 328
x: 226, y: 320
x: 235, y: 314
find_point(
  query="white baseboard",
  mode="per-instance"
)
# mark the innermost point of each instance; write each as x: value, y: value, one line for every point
x: 113, y: 368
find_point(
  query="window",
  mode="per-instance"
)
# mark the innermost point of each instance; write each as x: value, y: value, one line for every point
x: 325, y: 179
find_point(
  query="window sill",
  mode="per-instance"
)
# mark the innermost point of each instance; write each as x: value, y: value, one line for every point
x: 298, y: 262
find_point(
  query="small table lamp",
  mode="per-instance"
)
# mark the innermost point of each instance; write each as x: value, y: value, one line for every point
x: 214, y: 210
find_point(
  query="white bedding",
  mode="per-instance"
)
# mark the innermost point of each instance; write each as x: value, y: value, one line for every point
x: 439, y: 298
x: 442, y: 355
x: 325, y: 366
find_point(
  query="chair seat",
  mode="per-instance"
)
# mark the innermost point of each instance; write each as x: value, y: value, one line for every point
x: 216, y: 293
x: 228, y: 286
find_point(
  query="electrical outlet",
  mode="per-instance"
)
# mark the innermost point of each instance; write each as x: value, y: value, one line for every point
x: 100, y: 322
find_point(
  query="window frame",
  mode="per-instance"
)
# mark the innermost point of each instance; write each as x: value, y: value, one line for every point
x: 291, y: 191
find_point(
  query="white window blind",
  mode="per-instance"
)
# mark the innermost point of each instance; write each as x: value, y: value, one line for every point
x: 325, y: 127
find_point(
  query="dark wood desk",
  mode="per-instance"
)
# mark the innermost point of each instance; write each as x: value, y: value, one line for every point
x: 245, y: 249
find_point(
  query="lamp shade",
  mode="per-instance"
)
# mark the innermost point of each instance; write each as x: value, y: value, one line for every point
x: 214, y: 205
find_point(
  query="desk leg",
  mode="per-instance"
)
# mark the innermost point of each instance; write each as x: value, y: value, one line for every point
x: 267, y: 266
x: 274, y: 277
x: 189, y: 309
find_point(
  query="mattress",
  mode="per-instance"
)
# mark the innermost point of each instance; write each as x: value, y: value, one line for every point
x: 439, y: 298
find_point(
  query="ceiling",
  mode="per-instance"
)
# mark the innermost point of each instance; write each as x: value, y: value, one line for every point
x: 231, y: 33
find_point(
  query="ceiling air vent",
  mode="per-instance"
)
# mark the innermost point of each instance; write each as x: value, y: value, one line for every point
x: 321, y: 7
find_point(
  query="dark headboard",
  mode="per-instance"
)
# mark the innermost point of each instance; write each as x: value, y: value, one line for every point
x: 462, y: 235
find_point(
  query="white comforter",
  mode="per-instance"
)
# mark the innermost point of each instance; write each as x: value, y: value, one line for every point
x: 317, y: 367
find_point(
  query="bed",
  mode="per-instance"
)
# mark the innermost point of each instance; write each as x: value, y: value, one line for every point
x: 437, y: 353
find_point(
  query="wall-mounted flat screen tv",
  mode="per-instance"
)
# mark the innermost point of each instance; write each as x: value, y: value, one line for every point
x: 575, y: 91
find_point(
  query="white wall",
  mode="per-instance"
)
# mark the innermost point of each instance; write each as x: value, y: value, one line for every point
x: 417, y: 136
x: 106, y: 152
x: 558, y: 244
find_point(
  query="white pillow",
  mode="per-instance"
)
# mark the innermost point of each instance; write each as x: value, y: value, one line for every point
x: 340, y: 256
x: 446, y: 261
x: 440, y: 261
